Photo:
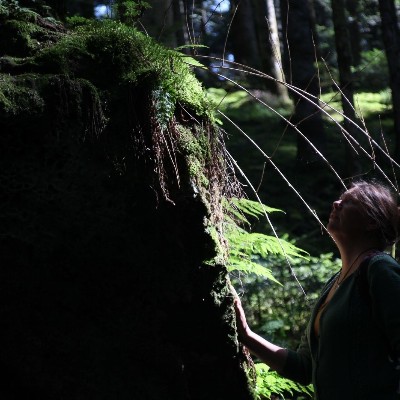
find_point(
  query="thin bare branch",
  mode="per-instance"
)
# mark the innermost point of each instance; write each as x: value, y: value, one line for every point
x: 276, y: 169
x: 294, y: 127
x: 227, y: 34
x: 270, y: 223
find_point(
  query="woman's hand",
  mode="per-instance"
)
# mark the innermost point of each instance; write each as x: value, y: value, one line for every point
x: 241, y: 322
x: 267, y: 352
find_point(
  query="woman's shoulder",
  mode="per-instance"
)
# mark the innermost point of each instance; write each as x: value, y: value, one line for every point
x: 383, y: 265
x: 383, y: 259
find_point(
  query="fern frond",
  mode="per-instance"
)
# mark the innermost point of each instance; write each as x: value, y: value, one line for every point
x: 239, y: 261
x: 245, y: 248
x: 239, y: 208
x: 270, y: 383
x: 253, y: 208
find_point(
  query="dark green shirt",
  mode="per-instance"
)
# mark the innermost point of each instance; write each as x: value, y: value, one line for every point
x: 356, y: 356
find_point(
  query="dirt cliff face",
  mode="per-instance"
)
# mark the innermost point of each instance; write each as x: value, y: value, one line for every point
x: 112, y: 276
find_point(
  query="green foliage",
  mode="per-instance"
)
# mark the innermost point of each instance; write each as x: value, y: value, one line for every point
x: 19, y: 96
x: 129, y: 11
x: 372, y: 73
x: 76, y: 20
x: 244, y: 107
x: 367, y: 104
x: 126, y: 54
x: 23, y: 31
x: 8, y: 7
x: 270, y: 383
x: 281, y: 312
x: 248, y: 249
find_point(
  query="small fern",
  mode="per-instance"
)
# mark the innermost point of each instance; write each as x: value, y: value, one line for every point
x: 269, y: 383
x: 248, y: 250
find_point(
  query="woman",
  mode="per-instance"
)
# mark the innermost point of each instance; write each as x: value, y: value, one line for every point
x: 351, y: 347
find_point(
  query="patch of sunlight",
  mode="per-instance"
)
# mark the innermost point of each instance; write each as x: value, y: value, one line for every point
x: 226, y: 100
x: 366, y: 104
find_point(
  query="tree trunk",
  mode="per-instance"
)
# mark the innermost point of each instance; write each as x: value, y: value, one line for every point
x: 391, y: 39
x: 113, y: 283
x: 344, y: 60
x: 158, y: 21
x: 300, y: 53
x: 354, y: 30
x: 270, y: 47
x: 244, y: 34
x: 180, y: 23
x: 275, y: 40
x: 253, y: 29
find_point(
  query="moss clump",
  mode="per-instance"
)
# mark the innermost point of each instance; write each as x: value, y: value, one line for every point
x: 107, y: 52
x: 23, y: 32
x: 19, y: 95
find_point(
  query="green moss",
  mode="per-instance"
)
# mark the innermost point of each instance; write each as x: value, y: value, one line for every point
x: 23, y: 32
x: 109, y: 51
x: 18, y: 35
x: 196, y: 150
x: 19, y: 95
x: 14, y: 11
x: 220, y: 248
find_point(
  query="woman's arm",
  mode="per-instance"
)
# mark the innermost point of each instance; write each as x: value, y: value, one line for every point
x: 267, y: 352
x: 295, y: 365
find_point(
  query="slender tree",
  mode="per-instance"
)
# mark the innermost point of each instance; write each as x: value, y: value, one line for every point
x: 255, y: 41
x: 244, y: 34
x: 391, y: 39
x: 299, y: 55
x: 353, y: 8
x: 270, y: 47
x: 274, y: 39
x: 344, y: 61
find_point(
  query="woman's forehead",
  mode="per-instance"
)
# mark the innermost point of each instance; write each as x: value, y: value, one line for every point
x: 351, y: 194
x: 348, y: 193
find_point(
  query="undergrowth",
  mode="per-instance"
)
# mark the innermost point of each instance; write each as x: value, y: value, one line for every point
x: 269, y: 383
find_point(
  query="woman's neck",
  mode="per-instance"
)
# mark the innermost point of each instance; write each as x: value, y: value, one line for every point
x: 353, y: 255
x: 351, y: 261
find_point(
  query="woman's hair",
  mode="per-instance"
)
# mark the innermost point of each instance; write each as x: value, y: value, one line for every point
x: 380, y: 205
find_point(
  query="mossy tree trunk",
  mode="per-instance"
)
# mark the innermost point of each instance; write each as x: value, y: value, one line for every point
x: 112, y: 284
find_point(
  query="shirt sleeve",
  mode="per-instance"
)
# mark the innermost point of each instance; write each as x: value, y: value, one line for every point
x: 384, y: 287
x: 298, y: 366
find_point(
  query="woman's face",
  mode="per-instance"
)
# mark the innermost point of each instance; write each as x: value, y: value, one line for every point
x: 347, y: 220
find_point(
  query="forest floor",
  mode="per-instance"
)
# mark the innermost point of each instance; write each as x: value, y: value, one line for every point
x: 315, y: 182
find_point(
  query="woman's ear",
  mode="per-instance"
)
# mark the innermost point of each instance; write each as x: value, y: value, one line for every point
x: 371, y: 226
x: 370, y: 223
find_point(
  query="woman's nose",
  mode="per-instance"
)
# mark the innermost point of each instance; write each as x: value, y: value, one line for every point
x: 337, y: 204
